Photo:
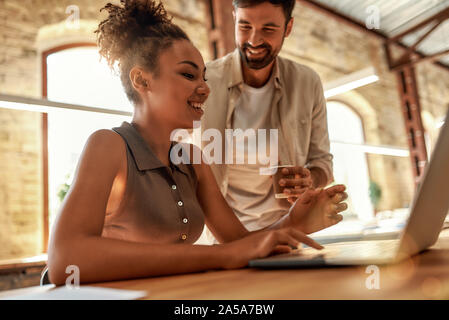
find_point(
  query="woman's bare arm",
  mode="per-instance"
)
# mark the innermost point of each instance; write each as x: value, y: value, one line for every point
x: 76, y: 238
x: 220, y: 219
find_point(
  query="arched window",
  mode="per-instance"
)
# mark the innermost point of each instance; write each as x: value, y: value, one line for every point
x: 73, y: 74
x: 76, y: 75
x: 350, y: 163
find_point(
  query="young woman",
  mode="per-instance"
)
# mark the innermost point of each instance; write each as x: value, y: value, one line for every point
x: 130, y: 211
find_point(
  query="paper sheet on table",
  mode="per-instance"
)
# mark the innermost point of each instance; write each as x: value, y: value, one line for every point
x: 82, y: 293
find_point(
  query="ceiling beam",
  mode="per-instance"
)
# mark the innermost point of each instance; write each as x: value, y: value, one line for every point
x: 433, y: 57
x: 424, y: 36
x: 439, y: 17
x: 409, y: 58
x: 332, y: 13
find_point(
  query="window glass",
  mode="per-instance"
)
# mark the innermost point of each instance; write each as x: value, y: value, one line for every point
x: 77, y: 76
x: 350, y: 163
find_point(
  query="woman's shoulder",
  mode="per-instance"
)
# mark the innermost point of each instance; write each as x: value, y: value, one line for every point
x: 106, y: 144
x: 106, y: 138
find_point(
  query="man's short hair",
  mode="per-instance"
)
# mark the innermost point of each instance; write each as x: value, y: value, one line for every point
x: 287, y: 5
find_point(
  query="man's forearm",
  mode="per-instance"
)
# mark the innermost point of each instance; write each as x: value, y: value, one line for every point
x: 319, y: 177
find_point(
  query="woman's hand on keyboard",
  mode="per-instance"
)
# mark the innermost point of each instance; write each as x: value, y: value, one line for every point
x: 261, y: 244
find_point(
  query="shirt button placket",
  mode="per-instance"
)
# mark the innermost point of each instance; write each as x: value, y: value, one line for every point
x: 180, y: 204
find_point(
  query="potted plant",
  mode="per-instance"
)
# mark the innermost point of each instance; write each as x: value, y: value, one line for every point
x: 375, y: 193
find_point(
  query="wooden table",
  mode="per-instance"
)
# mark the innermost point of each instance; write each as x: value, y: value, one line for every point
x: 425, y: 276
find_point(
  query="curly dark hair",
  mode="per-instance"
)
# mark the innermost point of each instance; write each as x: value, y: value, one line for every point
x: 135, y: 33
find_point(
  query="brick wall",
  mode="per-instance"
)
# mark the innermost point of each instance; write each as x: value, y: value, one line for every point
x: 20, y: 184
x: 433, y: 87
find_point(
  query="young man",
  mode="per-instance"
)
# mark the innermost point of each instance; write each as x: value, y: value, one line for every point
x: 253, y: 88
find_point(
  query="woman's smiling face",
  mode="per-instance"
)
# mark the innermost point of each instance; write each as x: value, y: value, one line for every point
x: 177, y: 92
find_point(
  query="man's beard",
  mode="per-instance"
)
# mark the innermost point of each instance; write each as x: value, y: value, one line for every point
x: 259, y: 63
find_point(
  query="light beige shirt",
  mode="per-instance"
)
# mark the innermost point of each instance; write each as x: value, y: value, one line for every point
x: 298, y: 110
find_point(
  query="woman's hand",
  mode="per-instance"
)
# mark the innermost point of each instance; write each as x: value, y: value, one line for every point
x: 262, y: 244
x: 318, y: 209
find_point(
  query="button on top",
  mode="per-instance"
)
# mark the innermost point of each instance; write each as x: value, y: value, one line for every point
x: 183, y: 236
x: 173, y: 187
x: 185, y: 220
x: 180, y: 203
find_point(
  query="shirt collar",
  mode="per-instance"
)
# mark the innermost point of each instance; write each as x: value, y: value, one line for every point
x: 237, y: 74
x: 143, y: 156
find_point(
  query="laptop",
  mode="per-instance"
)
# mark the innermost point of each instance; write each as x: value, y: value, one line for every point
x: 428, y: 212
x: 354, y: 229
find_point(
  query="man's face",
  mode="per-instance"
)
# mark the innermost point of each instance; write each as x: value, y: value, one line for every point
x: 259, y: 32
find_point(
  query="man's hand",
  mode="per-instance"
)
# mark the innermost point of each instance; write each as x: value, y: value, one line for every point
x: 295, y: 182
x: 318, y: 209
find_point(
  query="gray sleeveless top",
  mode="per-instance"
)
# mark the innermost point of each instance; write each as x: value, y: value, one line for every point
x: 159, y: 204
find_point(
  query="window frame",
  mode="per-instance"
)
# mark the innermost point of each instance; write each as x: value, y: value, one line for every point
x: 44, y: 123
